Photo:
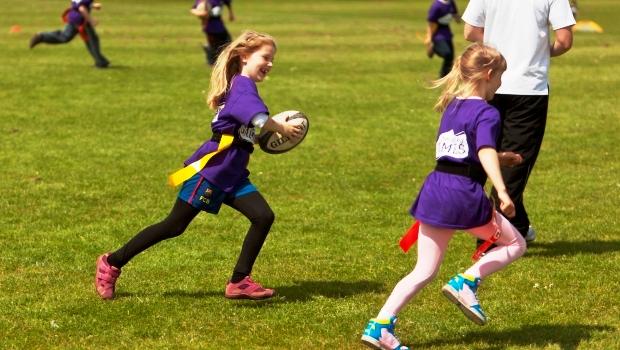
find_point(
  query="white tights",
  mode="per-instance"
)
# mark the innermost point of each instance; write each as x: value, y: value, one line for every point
x: 432, y: 244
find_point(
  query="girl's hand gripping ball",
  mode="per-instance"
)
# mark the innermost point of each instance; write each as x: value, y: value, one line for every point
x: 274, y: 143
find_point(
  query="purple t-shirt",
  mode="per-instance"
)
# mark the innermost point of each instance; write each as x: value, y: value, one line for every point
x: 74, y: 15
x: 215, y: 24
x: 441, y: 12
x: 234, y: 116
x: 454, y: 201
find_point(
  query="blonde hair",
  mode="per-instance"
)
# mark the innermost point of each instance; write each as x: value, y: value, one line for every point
x: 467, y: 71
x: 228, y: 63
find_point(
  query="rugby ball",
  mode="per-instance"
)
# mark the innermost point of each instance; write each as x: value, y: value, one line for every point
x: 274, y: 143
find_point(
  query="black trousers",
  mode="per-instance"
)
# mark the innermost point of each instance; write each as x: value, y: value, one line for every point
x: 69, y: 32
x: 445, y: 50
x: 253, y: 206
x: 94, y: 48
x: 524, y: 118
x: 216, y: 44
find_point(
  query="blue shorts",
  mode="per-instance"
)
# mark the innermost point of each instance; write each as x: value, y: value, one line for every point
x: 203, y: 195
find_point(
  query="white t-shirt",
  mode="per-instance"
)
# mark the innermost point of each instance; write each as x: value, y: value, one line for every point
x: 519, y: 29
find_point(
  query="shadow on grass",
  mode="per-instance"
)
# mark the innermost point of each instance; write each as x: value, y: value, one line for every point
x: 306, y: 290
x: 299, y: 291
x: 560, y: 248
x: 115, y: 67
x: 567, y: 337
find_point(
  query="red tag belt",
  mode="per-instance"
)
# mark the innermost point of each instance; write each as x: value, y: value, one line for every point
x: 411, y: 236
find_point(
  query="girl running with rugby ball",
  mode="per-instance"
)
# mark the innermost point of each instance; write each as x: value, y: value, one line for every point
x: 225, y: 178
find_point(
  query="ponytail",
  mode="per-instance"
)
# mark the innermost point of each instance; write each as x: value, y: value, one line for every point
x: 452, y: 83
x: 467, y: 72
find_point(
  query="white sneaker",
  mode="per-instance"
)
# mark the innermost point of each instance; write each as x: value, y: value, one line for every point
x: 462, y: 291
x: 531, y: 234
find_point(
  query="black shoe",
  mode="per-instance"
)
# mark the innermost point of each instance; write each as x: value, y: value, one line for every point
x: 102, y: 64
x: 36, y: 40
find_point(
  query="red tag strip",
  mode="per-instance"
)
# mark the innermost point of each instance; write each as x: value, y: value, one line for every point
x: 410, y: 237
x: 484, y: 246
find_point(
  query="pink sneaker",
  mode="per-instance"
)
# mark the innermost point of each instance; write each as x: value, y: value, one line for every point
x: 247, y: 289
x: 105, y: 278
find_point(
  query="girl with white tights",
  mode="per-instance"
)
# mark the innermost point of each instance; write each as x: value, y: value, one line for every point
x: 453, y: 198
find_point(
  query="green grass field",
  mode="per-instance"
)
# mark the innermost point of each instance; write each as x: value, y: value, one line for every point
x: 84, y: 156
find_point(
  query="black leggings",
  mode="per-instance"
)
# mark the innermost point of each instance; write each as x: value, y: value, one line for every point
x: 252, y: 205
x: 445, y: 50
x: 69, y: 32
x: 217, y: 43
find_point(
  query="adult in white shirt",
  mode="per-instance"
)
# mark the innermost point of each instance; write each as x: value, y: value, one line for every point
x: 520, y: 30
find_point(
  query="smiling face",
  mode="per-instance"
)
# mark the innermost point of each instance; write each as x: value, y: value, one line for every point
x: 257, y: 65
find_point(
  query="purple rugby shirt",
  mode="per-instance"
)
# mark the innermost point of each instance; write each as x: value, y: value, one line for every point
x: 454, y: 201
x: 234, y: 116
x: 74, y: 15
x: 214, y: 24
x: 441, y: 12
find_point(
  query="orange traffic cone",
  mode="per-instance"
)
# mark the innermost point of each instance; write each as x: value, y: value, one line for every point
x: 15, y: 29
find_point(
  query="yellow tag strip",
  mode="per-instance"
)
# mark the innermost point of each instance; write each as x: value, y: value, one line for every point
x: 182, y: 175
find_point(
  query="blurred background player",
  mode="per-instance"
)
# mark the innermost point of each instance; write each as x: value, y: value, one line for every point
x: 210, y: 14
x: 438, y: 34
x: 79, y: 20
x: 574, y: 8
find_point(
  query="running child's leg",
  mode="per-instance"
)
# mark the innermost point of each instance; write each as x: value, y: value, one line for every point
x: 92, y: 45
x: 175, y: 224
x: 217, y: 43
x: 109, y: 265
x: 211, y: 49
x: 55, y: 37
x: 257, y: 210
x: 445, y: 50
x: 223, y: 39
x: 432, y: 244
x: 509, y: 247
x: 462, y: 289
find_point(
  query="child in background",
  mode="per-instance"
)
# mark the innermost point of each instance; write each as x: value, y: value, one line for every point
x: 210, y: 14
x: 574, y: 8
x: 78, y: 20
x: 224, y: 179
x: 453, y: 198
x: 438, y: 34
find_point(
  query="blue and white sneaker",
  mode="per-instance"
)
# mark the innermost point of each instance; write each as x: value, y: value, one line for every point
x: 531, y: 235
x: 461, y: 290
x: 379, y: 334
